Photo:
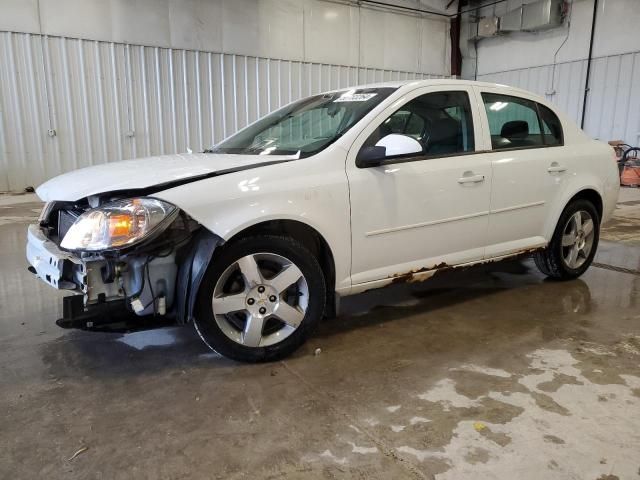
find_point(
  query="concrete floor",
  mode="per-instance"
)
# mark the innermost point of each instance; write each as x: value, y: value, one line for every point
x: 490, y: 373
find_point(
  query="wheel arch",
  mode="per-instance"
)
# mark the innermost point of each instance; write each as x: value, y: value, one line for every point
x: 589, y: 193
x: 310, y: 238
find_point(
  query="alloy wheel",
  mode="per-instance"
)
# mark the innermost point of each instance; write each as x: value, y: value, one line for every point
x: 577, y: 239
x: 260, y: 299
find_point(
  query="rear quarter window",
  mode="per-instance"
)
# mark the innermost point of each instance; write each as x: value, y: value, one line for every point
x: 551, y: 126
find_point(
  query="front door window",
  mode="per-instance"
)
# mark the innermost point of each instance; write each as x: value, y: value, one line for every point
x: 441, y: 122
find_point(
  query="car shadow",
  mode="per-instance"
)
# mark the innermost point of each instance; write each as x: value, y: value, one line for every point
x: 117, y: 355
x: 456, y: 288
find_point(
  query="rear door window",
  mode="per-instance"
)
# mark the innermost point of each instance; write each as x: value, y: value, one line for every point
x: 513, y: 122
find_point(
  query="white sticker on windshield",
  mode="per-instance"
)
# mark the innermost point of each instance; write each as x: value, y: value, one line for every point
x: 355, y: 97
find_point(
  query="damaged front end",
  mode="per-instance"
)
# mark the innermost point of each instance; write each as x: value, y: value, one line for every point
x: 132, y: 262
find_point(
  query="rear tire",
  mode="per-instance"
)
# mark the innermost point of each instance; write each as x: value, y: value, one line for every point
x: 574, y: 242
x: 249, y: 310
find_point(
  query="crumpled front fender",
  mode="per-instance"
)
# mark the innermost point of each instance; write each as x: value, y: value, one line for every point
x: 198, y: 255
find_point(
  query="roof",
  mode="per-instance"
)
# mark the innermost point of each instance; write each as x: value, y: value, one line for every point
x: 442, y: 81
x: 428, y: 82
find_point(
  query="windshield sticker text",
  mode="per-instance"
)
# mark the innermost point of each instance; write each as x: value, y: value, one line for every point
x: 355, y: 97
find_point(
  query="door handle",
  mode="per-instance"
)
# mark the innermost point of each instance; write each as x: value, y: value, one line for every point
x: 555, y: 167
x: 469, y: 177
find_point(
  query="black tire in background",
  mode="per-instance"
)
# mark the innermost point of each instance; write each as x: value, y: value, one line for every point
x: 551, y: 261
x: 211, y: 333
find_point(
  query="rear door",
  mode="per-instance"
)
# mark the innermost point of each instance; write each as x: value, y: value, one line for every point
x: 526, y: 155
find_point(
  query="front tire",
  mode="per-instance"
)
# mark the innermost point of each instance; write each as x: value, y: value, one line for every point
x: 574, y: 242
x: 260, y: 298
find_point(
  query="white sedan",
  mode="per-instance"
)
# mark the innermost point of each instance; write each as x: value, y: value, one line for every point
x: 256, y: 239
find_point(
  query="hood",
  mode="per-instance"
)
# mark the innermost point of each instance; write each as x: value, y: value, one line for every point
x: 147, y: 172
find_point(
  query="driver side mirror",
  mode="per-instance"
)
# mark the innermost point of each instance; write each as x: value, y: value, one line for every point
x: 391, y: 145
x: 371, y: 156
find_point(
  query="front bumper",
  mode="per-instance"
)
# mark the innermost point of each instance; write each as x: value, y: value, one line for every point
x: 60, y: 269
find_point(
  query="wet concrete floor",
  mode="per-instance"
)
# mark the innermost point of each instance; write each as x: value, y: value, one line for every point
x: 488, y: 373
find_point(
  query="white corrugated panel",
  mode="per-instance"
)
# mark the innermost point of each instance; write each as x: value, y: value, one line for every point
x: 613, y: 104
x: 69, y: 103
x: 24, y: 117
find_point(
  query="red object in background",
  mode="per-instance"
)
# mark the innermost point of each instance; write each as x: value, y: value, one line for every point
x: 630, y: 168
x: 630, y: 176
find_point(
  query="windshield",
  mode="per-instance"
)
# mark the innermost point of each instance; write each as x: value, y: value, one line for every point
x: 305, y: 127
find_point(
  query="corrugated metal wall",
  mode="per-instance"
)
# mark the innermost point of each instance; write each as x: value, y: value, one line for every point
x: 69, y: 103
x: 613, y: 106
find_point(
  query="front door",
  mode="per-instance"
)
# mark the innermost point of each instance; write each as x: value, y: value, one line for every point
x: 416, y: 211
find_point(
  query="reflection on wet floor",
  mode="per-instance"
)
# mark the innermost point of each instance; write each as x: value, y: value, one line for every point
x: 425, y: 372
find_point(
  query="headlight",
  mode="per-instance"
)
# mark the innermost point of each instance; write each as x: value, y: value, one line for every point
x: 118, y: 224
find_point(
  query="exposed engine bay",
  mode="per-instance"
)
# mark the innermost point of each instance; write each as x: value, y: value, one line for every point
x: 130, y: 277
